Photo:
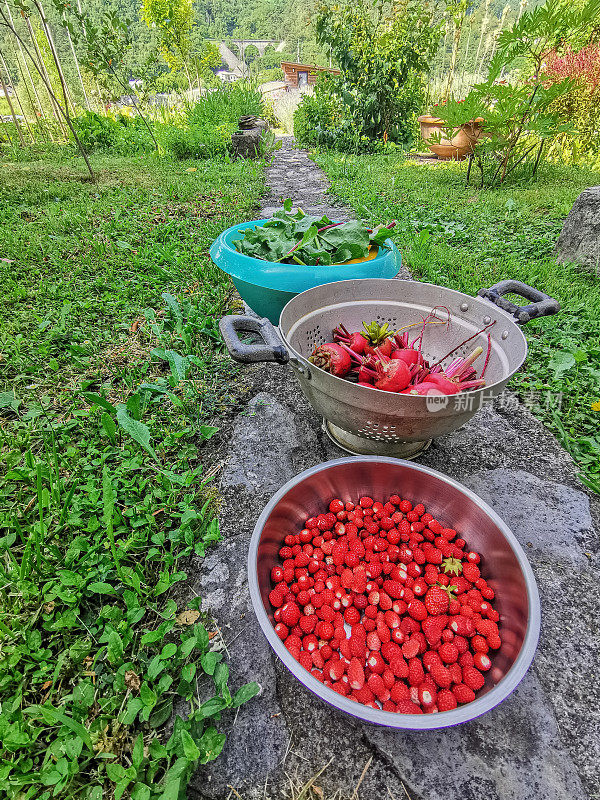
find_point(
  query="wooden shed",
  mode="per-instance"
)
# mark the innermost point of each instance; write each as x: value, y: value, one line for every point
x: 301, y: 75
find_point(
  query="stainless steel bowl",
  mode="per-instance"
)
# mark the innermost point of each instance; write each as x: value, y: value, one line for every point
x: 504, y: 565
x: 369, y: 421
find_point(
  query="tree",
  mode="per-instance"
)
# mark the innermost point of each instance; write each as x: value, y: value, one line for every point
x: 103, y: 49
x: 174, y: 20
x: 383, y: 52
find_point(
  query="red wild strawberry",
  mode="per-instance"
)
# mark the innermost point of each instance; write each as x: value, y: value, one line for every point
x: 305, y: 659
x: 473, y: 678
x: 282, y: 630
x: 399, y: 691
x: 376, y: 685
x: 417, y: 610
x: 466, y: 660
x: 455, y: 672
x: 463, y: 693
x: 375, y: 662
x: 290, y: 614
x: 383, y: 631
x: 364, y: 695
x: 416, y: 673
x: 448, y: 652
x: 462, y: 625
x: 445, y: 700
x: 441, y: 675
x: 482, y: 661
x: 437, y: 600
x: 394, y: 589
x: 407, y: 707
x: 433, y: 628
x: 410, y: 648
x: 427, y: 696
x: 470, y: 572
x: 308, y: 623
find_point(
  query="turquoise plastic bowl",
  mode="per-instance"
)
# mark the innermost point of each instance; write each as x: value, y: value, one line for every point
x: 267, y: 286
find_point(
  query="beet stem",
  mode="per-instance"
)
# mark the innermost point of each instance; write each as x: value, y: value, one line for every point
x: 466, y: 341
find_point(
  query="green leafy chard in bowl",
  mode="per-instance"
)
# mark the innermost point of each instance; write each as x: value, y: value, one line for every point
x: 308, y: 240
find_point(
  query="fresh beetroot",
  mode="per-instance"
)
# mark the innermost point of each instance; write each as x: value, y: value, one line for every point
x: 379, y: 358
x: 379, y: 339
x: 429, y: 387
x: 332, y: 358
x: 409, y: 356
x: 355, y: 341
x: 392, y: 376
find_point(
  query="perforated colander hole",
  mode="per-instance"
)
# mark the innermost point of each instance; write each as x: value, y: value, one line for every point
x: 379, y: 433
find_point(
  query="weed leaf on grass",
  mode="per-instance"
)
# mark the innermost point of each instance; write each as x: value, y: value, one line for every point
x: 136, y: 429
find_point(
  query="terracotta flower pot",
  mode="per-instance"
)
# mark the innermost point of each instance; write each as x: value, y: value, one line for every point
x: 461, y: 143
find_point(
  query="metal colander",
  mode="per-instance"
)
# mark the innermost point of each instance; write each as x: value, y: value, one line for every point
x: 368, y: 421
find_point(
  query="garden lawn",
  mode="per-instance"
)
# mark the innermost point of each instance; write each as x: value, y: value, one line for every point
x: 467, y: 239
x: 111, y: 375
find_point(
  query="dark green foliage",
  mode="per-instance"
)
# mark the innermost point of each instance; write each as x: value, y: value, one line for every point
x: 208, y: 124
x: 304, y: 239
x: 121, y: 135
x: 384, y: 53
x: 322, y: 120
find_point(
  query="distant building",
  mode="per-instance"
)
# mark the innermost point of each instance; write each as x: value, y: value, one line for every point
x: 299, y: 76
x: 227, y: 76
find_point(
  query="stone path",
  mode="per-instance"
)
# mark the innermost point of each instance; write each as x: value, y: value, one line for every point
x: 292, y: 174
x: 542, y: 743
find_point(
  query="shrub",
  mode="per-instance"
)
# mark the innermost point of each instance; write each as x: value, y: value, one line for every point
x: 208, y: 141
x: 322, y: 120
x: 581, y: 106
x: 384, y: 52
x: 226, y: 104
x: 206, y: 128
x: 121, y: 134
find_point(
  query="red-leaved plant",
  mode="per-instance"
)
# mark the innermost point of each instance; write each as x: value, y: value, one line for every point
x: 582, y: 66
x: 581, y: 106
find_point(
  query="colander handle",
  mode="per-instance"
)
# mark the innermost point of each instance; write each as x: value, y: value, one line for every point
x: 271, y: 348
x: 541, y: 305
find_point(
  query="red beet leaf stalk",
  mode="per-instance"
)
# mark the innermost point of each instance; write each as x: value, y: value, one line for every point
x: 355, y: 341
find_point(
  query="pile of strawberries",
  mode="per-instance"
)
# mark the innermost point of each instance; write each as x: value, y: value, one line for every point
x: 386, y: 606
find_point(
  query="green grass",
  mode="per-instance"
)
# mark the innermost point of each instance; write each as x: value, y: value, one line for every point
x: 468, y: 239
x: 111, y: 375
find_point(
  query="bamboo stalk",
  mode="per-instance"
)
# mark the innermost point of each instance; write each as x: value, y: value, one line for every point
x: 64, y: 112
x: 12, y: 86
x: 87, y: 102
x: 54, y: 52
x: 27, y: 70
x: 484, y: 23
x: 45, y: 75
x: 12, y: 110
